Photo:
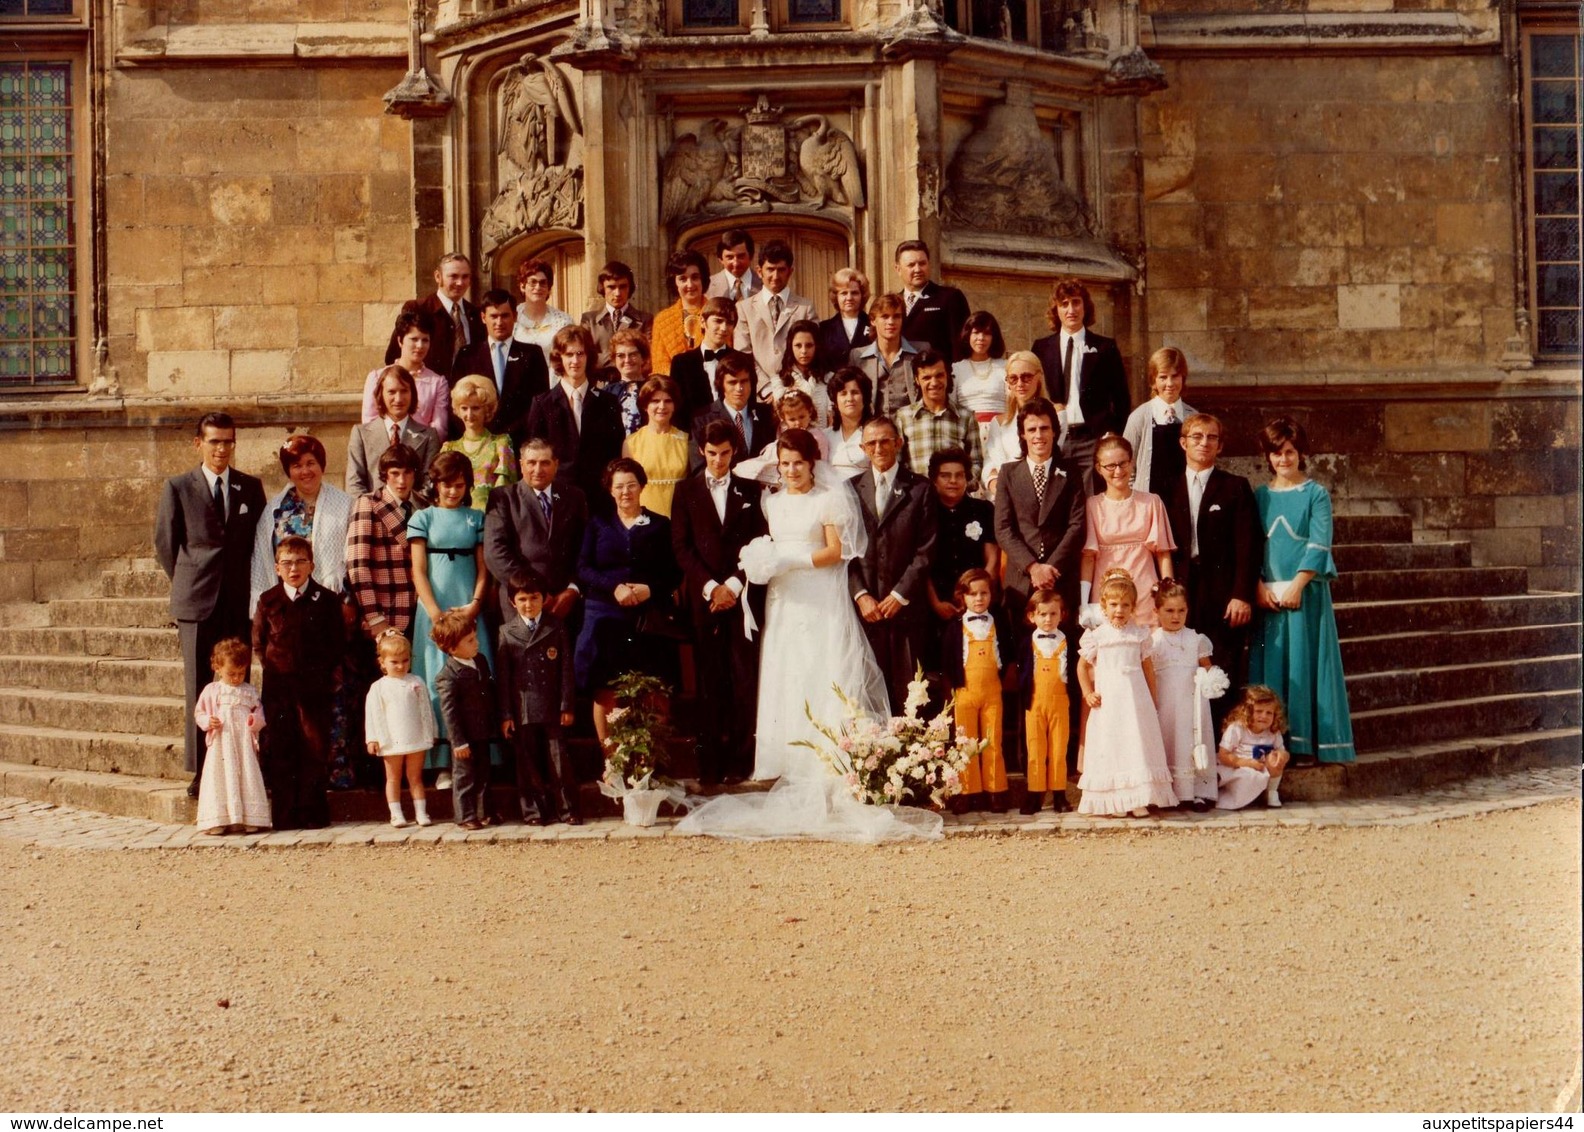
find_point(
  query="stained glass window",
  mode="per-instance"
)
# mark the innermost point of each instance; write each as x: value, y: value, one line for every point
x: 710, y: 14
x: 1554, y: 77
x: 35, y: 7
x: 814, y: 11
x: 38, y: 277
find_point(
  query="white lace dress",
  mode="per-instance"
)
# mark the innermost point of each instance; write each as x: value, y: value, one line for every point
x: 1176, y: 658
x: 231, y: 791
x: 1124, y: 759
x: 813, y: 642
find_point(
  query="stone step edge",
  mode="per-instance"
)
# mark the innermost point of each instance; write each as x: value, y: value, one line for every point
x: 1380, y: 602
x: 1441, y: 669
x: 1377, y: 774
x: 104, y: 698
x: 1455, y: 705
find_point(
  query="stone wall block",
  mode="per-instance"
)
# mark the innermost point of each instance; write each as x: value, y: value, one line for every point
x: 1400, y: 349
x: 1559, y: 546
x: 234, y: 146
x: 1397, y: 475
x: 144, y: 255
x: 378, y: 321
x: 1328, y: 225
x: 175, y: 328
x: 1227, y: 310
x: 1472, y: 227
x: 1457, y: 512
x: 324, y: 368
x: 330, y: 324
x: 1287, y: 308
x: 39, y: 544
x: 189, y: 373
x: 342, y: 143
x: 1174, y: 225
x: 349, y: 282
x: 13, y: 504
x: 351, y: 244
x: 212, y: 246
x: 93, y: 501
x: 1239, y: 177
x: 1523, y: 425
x: 1551, y: 471
x: 1373, y: 306
x: 109, y: 540
x: 261, y: 371
x: 1530, y: 511
x: 1438, y: 426
x: 1511, y: 546
x: 1397, y: 223
x: 242, y: 200
x: 16, y: 581
x: 1460, y: 346
x: 1178, y: 310
x: 45, y: 454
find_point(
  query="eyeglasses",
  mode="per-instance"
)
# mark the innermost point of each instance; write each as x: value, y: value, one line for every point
x: 1021, y: 377
x: 879, y: 442
x: 1122, y: 467
x: 294, y: 562
x: 1204, y: 437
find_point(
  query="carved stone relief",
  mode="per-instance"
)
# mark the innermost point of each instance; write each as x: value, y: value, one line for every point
x: 768, y: 160
x: 539, y: 156
x: 1005, y: 177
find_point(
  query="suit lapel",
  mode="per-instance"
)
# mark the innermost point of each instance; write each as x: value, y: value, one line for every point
x: 866, y: 497
x: 1054, y: 483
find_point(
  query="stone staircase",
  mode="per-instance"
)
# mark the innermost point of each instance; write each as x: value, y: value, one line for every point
x: 1453, y: 670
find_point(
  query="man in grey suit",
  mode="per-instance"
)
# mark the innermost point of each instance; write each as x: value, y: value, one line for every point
x: 203, y: 538
x: 537, y: 525
x: 889, y: 583
x: 617, y: 311
x: 1039, y: 516
x: 764, y: 319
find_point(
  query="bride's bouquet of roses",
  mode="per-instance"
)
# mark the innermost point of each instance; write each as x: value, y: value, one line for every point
x: 902, y: 761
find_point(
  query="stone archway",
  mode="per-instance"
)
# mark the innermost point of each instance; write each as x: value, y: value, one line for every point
x: 563, y: 250
x: 819, y: 247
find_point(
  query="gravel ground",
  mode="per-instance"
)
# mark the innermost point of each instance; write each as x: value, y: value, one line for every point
x: 1430, y: 967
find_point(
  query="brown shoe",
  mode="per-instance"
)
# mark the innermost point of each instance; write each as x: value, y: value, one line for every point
x: 470, y: 825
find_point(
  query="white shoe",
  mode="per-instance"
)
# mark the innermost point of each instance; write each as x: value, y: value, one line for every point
x: 1272, y: 799
x: 425, y: 819
x: 400, y: 823
x: 443, y: 782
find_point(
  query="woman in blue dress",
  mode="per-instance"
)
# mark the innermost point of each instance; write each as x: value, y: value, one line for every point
x: 447, y: 542
x: 1295, y: 650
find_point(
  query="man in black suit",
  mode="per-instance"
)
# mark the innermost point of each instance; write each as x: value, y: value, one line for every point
x: 203, y: 538
x: 584, y: 428
x: 694, y: 370
x: 752, y: 420
x: 934, y: 312
x: 517, y: 368
x: 450, y: 311
x: 1220, y: 544
x: 1084, y: 370
x: 617, y: 312
x: 713, y: 516
x: 1039, y: 516
x: 536, y: 524
x: 890, y: 583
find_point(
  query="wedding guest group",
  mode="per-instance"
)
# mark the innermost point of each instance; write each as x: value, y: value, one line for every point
x: 753, y: 505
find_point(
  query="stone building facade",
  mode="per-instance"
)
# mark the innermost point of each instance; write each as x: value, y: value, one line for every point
x: 1357, y: 211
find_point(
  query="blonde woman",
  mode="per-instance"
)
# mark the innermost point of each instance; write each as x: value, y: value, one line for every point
x: 1025, y: 381
x: 474, y: 402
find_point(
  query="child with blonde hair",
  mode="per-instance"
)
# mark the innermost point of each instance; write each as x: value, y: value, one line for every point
x: 1178, y: 654
x: 399, y: 726
x: 1124, y: 765
x: 1252, y: 755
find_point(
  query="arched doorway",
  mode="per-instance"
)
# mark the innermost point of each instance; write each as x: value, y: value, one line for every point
x: 819, y: 247
x: 563, y: 251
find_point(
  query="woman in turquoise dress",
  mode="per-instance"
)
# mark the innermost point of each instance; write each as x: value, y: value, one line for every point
x: 447, y: 542
x: 1295, y: 650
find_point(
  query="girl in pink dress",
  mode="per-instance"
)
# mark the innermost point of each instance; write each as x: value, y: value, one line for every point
x: 1127, y: 528
x: 231, y: 797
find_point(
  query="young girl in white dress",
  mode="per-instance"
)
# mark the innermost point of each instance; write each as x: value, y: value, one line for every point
x: 1125, y: 767
x: 231, y: 796
x: 1177, y: 653
x: 813, y: 643
x: 399, y: 725
x: 1252, y: 755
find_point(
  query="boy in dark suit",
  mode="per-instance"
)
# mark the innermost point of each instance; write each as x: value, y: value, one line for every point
x: 518, y: 369
x: 467, y: 703
x: 299, y: 636
x: 584, y: 428
x: 751, y: 420
x: 203, y: 538
x: 694, y: 370
x: 536, y: 703
x: 1084, y: 370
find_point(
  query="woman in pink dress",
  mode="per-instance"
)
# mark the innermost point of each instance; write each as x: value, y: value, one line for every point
x: 1127, y: 528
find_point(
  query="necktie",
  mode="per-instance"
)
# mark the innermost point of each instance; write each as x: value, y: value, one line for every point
x: 882, y: 493
x: 1171, y: 415
x: 910, y: 298
x: 533, y: 627
x: 395, y: 434
x: 219, y: 499
x: 741, y: 420
x: 500, y: 365
x: 458, y: 330
x: 775, y: 308
x: 407, y: 510
x: 544, y: 505
x: 1040, y: 474
x: 577, y: 411
x: 1044, y: 636
x: 736, y: 291
x: 1195, y: 494
x: 1067, y: 369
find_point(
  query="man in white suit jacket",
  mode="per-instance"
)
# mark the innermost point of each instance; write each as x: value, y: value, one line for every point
x: 736, y: 280
x: 764, y: 319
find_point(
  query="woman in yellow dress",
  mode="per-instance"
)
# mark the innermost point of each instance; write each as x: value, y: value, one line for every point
x: 659, y: 445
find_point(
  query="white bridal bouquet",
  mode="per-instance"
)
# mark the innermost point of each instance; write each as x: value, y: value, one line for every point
x: 903, y: 761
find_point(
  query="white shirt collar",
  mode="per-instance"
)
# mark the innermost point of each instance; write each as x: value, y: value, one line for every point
x: 574, y: 392
x: 210, y: 477
x: 292, y: 593
x: 450, y: 307
x: 1077, y: 338
x: 468, y: 661
x: 1159, y: 409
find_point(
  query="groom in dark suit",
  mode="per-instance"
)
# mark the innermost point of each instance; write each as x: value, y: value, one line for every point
x: 1039, y: 516
x: 713, y: 516
x: 1220, y: 544
x: 890, y: 582
x: 203, y: 538
x: 1084, y: 370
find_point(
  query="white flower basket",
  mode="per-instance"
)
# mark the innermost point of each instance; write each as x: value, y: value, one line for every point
x: 642, y: 807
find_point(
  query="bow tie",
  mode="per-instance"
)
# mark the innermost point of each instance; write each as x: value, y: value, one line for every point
x: 1046, y: 636
x: 977, y: 617
x: 711, y: 355
x: 717, y: 484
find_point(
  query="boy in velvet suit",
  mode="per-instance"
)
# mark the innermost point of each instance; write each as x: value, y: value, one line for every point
x: 535, y: 661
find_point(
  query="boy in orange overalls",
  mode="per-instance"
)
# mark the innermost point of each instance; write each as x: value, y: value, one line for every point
x: 1042, y: 682
x: 971, y: 650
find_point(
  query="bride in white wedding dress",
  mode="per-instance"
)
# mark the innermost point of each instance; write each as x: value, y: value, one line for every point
x: 813, y: 643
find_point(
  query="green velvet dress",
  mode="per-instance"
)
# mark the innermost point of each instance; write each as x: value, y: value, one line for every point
x: 1296, y: 652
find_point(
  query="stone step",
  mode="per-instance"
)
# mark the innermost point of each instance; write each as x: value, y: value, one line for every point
x: 1416, y: 585
x: 1420, y: 686
x: 1428, y: 765
x: 1361, y: 655
x: 1373, y: 618
x: 112, y: 613
x: 1401, y: 556
x: 1384, y: 728
x: 147, y: 755
x: 93, y: 674
x: 134, y: 583
x: 1371, y: 528
x: 113, y: 715
x: 135, y: 644
x: 127, y: 795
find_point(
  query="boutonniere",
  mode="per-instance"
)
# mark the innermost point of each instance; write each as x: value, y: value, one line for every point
x: 896, y: 493
x: 1215, y: 506
x: 552, y: 652
x: 314, y: 596
x: 973, y: 530
x: 641, y: 521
